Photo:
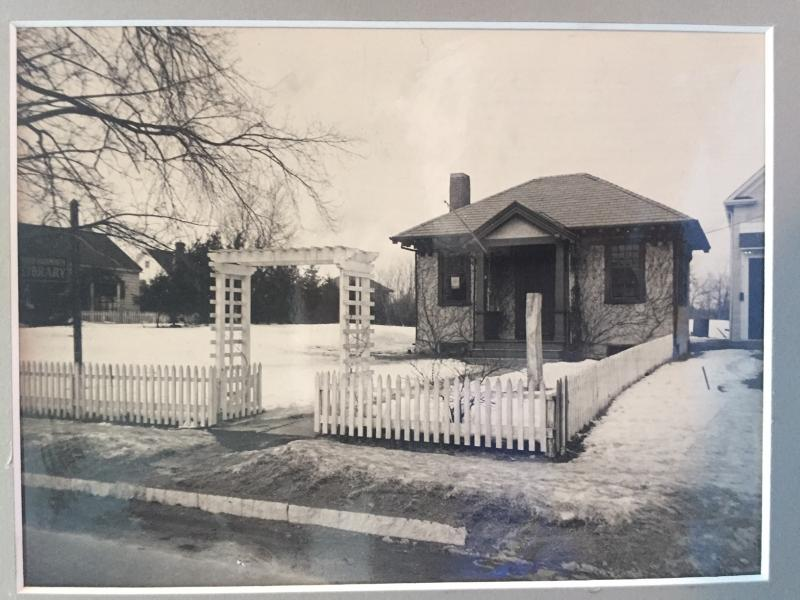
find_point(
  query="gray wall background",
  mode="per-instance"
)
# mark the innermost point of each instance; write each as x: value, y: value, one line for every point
x: 783, y: 15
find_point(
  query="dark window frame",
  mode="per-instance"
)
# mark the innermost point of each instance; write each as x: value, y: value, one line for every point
x: 613, y: 296
x: 448, y: 266
x: 753, y: 239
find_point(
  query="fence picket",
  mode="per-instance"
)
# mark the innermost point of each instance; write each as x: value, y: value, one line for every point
x: 425, y: 411
x: 402, y: 414
x: 368, y: 398
x: 172, y: 396
x: 341, y: 394
x: 390, y: 419
x: 458, y: 391
x: 379, y: 408
x: 434, y: 398
x: 509, y: 410
x: 58, y: 380
x: 466, y: 398
x: 521, y: 414
x: 413, y: 409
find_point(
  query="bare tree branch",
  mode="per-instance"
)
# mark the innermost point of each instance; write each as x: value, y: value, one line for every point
x: 164, y: 108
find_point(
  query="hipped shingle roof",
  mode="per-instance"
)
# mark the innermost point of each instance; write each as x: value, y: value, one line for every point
x: 574, y: 201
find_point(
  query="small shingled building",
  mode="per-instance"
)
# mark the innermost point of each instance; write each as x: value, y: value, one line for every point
x: 612, y: 267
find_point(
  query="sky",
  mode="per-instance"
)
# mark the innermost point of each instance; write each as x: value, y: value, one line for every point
x: 677, y: 117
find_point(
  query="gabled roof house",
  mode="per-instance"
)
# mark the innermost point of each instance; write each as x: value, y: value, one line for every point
x: 745, y: 211
x: 109, y: 277
x: 612, y: 267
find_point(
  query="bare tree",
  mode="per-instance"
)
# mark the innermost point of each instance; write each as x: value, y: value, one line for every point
x: 400, y: 305
x: 710, y: 294
x: 164, y: 110
x: 600, y: 322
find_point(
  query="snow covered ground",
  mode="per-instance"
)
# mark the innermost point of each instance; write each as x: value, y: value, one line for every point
x: 719, y: 329
x: 289, y: 354
x: 668, y: 484
x: 665, y: 432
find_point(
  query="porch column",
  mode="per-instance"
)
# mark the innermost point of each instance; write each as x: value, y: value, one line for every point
x: 560, y: 298
x: 480, y: 298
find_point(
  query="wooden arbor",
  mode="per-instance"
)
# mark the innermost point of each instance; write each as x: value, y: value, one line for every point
x: 232, y: 270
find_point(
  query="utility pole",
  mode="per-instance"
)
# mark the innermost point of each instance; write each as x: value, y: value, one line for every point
x: 75, y: 284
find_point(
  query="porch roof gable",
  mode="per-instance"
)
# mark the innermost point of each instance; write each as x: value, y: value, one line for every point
x: 516, y: 210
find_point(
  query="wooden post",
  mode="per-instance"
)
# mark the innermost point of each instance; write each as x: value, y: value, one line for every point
x: 550, y: 423
x: 564, y: 416
x: 75, y: 285
x: 533, y: 337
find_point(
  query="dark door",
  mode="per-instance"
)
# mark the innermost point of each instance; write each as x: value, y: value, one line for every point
x: 755, y: 299
x: 535, y: 271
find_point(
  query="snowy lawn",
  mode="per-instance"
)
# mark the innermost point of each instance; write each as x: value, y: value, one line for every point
x: 719, y: 329
x: 290, y: 355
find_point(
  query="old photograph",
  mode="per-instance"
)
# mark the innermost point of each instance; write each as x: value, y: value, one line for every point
x: 333, y: 305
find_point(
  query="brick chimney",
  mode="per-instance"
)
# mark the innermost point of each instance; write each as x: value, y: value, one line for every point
x: 459, y: 190
x: 180, y: 251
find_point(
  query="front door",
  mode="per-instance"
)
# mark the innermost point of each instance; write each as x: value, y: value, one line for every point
x: 534, y: 271
x: 755, y: 299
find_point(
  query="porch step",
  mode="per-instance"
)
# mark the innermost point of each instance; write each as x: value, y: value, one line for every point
x: 551, y: 351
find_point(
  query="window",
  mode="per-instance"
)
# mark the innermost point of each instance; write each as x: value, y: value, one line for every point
x: 454, y: 288
x: 625, y: 274
x: 751, y: 240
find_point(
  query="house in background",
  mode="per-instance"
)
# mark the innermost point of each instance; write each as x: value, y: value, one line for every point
x: 612, y: 267
x: 154, y: 262
x: 109, y: 278
x: 745, y: 211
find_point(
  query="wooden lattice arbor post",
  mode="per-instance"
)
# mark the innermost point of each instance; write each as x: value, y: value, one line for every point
x: 232, y: 270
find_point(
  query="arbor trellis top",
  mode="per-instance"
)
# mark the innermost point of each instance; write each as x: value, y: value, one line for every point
x: 232, y: 270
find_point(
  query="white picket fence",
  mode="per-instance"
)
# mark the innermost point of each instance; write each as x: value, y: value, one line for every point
x: 589, y: 392
x: 240, y: 392
x: 118, y: 316
x: 156, y: 395
x: 449, y: 411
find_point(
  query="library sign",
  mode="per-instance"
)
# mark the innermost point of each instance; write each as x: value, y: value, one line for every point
x: 43, y: 269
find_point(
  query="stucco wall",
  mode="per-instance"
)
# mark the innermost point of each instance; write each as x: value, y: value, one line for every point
x: 621, y: 324
x: 439, y: 326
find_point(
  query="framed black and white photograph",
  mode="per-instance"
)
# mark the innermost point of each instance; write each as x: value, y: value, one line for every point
x: 318, y: 305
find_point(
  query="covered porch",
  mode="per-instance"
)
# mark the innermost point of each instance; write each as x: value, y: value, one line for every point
x: 521, y: 252
x: 504, y: 275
